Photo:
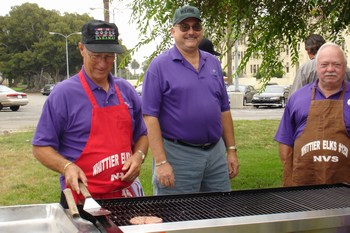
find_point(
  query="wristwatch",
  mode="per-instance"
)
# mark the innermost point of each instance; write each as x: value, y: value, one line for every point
x: 231, y: 148
x: 142, y: 155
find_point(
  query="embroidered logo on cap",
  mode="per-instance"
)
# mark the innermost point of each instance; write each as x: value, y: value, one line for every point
x: 187, y: 10
x: 104, y: 34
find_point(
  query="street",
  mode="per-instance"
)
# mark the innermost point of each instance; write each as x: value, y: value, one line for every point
x: 27, y: 116
x: 251, y: 113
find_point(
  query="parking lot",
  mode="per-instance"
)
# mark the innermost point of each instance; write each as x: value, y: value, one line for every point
x: 27, y: 116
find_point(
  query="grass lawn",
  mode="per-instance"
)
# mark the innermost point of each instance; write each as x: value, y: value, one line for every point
x: 25, y: 181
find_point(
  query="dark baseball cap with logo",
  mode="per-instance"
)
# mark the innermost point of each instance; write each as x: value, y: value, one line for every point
x: 185, y: 12
x: 101, y: 37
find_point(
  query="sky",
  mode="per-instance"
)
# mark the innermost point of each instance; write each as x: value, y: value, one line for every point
x: 128, y: 32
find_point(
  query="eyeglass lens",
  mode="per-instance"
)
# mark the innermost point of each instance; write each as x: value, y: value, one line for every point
x: 99, y: 58
x: 184, y: 27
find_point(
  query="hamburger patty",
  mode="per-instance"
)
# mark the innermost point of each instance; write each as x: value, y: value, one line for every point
x: 145, y: 220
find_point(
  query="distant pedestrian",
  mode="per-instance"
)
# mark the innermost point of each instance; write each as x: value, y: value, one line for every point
x: 307, y: 72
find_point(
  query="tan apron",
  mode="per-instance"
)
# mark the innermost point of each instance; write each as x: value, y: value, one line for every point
x: 321, y: 152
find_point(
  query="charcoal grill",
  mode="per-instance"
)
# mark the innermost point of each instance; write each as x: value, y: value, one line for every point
x: 320, y: 208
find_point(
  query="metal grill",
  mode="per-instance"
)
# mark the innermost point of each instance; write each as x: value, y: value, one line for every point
x: 186, y: 207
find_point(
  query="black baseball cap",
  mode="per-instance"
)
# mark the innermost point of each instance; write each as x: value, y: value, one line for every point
x: 207, y: 45
x: 101, y: 37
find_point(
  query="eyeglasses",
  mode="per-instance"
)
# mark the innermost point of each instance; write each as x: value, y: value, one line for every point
x: 98, y: 58
x: 184, y: 27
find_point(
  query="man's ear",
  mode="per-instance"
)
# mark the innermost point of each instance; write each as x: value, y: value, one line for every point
x: 81, y: 47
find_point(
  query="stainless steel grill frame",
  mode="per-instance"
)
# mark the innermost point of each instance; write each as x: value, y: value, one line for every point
x: 293, y: 209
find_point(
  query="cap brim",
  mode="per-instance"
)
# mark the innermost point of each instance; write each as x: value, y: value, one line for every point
x: 179, y: 20
x: 104, y: 48
x: 216, y: 53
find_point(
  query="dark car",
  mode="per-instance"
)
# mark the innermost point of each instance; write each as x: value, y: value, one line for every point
x: 46, y: 90
x: 273, y: 95
x: 247, y: 90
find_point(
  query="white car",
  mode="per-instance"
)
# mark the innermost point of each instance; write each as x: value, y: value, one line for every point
x: 139, y: 89
x: 11, y: 98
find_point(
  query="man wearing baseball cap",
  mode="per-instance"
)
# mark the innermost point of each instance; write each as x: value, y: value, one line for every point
x: 187, y: 113
x: 207, y: 45
x: 91, y: 128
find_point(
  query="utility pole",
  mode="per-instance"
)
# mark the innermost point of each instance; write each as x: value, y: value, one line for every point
x: 106, y: 10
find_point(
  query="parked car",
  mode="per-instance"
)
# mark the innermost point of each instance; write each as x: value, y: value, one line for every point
x: 247, y: 90
x: 11, y: 98
x: 46, y: 90
x: 273, y: 95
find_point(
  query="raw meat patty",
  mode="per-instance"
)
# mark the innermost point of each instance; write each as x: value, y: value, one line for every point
x: 145, y: 220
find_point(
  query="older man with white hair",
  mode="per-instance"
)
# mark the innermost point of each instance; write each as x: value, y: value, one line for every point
x: 314, y: 133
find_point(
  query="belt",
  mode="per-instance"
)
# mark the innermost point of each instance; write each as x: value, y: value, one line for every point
x: 206, y: 146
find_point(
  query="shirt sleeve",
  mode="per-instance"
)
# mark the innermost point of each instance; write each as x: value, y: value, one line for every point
x: 285, y: 132
x: 151, y: 92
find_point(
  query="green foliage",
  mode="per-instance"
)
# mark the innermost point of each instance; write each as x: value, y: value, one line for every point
x: 29, y: 54
x: 268, y: 25
x: 275, y: 73
x: 32, y: 54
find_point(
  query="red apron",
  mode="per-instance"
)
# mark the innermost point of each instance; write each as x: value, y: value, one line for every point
x: 320, y: 154
x: 107, y: 149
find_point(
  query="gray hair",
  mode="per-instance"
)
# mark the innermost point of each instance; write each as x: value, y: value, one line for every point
x: 331, y: 44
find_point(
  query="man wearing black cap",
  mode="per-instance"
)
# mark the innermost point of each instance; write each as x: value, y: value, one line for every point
x: 186, y: 110
x: 207, y: 45
x: 91, y: 128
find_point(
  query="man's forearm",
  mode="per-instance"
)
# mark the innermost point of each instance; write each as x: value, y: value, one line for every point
x: 284, y: 151
x: 155, y: 138
x: 50, y: 158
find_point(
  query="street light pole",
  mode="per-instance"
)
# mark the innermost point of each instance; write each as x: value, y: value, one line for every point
x: 66, y: 37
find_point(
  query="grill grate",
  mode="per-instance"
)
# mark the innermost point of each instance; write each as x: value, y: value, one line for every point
x: 187, y: 207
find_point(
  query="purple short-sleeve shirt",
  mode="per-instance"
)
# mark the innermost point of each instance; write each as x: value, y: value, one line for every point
x: 187, y: 102
x: 297, y: 109
x: 66, y: 116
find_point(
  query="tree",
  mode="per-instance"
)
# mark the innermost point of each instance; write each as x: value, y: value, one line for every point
x: 268, y: 25
x: 33, y: 55
x: 135, y: 65
x: 30, y: 55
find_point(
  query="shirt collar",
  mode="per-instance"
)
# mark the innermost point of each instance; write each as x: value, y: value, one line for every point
x: 319, y: 90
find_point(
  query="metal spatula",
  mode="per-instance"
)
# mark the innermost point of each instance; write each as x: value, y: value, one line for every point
x: 90, y: 205
x: 82, y: 224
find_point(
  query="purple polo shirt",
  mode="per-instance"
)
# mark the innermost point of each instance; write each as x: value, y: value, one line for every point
x: 188, y: 103
x: 295, y: 114
x: 66, y: 116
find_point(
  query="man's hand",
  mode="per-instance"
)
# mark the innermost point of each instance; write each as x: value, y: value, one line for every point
x: 232, y: 163
x: 133, y: 167
x: 73, y: 174
x: 165, y: 175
